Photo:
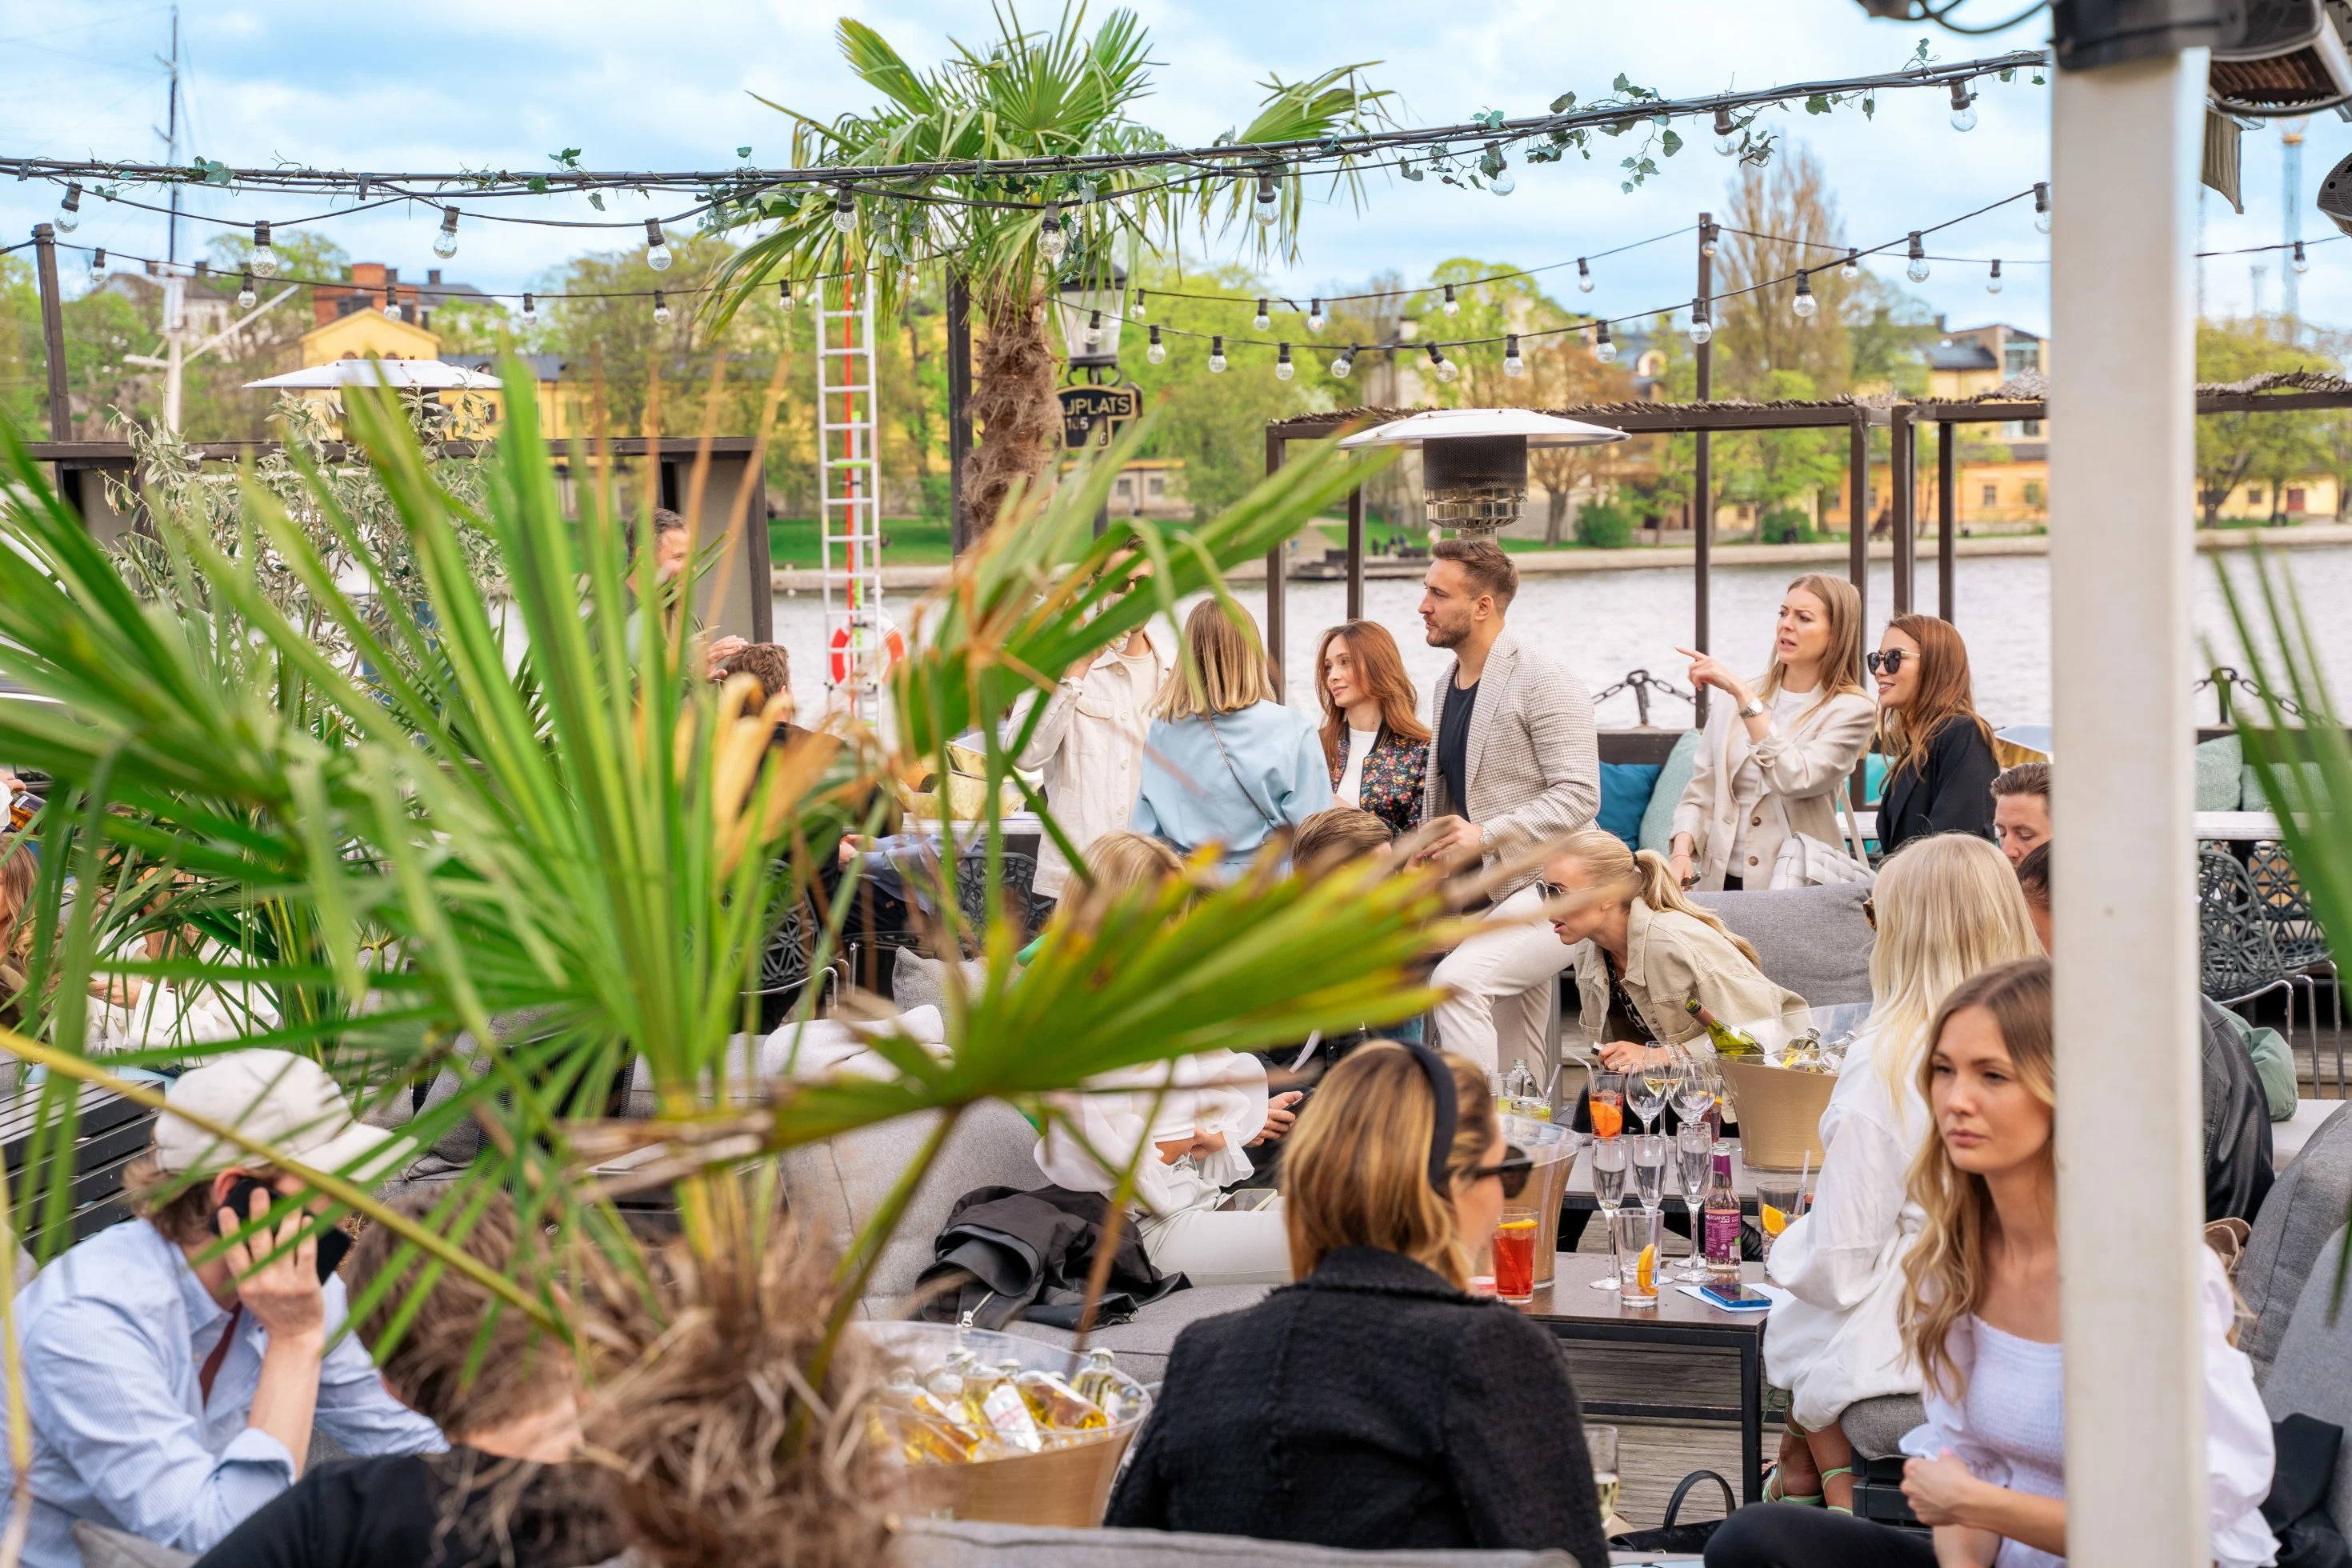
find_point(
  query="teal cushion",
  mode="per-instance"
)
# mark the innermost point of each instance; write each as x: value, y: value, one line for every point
x: 2220, y: 765
x: 2314, y: 787
x: 1625, y: 791
x: 1874, y: 780
x: 1658, y: 818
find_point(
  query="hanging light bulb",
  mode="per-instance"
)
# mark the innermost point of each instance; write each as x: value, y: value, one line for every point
x: 1805, y: 304
x: 1964, y: 107
x: 1602, y: 349
x: 661, y: 309
x: 1445, y: 370
x: 1992, y: 282
x: 245, y: 294
x: 1851, y: 267
x: 1269, y: 198
x: 1051, y: 243
x: 1727, y: 133
x: 1584, y: 276
x: 1216, y: 356
x: 658, y: 255
x: 1702, y: 330
x: 265, y: 256
x: 845, y: 210
x: 1261, y: 320
x: 1344, y: 365
x: 69, y: 217
x: 98, y: 262
x: 2040, y: 207
x: 1093, y: 329
x: 1917, y: 269
x: 1708, y: 233
x: 445, y: 244
x: 1158, y: 353
x: 529, y: 309
x: 1512, y: 364
x: 1283, y: 369
x: 1135, y: 306
x: 2302, y: 262
x: 785, y: 301
x: 1501, y: 182
x: 391, y: 303
x: 1315, y: 317
x: 1453, y: 307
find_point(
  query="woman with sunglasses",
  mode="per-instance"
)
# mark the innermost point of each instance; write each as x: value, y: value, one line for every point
x: 1943, y: 769
x: 1376, y: 1404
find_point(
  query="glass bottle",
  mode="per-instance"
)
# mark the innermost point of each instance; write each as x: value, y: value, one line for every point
x: 1719, y: 1217
x: 1727, y: 1041
x: 1057, y: 1406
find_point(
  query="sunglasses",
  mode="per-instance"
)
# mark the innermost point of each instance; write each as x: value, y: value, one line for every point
x: 1512, y: 1172
x: 1887, y: 663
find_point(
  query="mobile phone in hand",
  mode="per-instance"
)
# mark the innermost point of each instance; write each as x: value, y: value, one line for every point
x: 332, y: 1242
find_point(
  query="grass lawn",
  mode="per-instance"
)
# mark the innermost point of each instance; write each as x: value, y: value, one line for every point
x: 906, y: 541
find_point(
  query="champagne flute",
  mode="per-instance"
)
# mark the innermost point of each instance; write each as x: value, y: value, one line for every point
x: 1645, y: 1088
x: 1651, y: 1154
x: 1694, y: 1151
x: 1600, y: 1444
x: 1611, y: 1160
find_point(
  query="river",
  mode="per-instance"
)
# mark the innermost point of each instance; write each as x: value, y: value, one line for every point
x: 1607, y: 623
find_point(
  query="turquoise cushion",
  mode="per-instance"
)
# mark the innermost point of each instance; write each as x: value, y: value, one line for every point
x: 1625, y: 791
x: 2312, y: 788
x: 1658, y: 817
x: 2221, y: 784
x: 1874, y: 780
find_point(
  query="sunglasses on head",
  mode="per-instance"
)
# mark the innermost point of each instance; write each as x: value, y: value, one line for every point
x: 1512, y: 1172
x: 1887, y: 663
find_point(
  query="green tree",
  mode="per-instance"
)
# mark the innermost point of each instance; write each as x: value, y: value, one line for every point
x: 1886, y: 327
x: 23, y: 367
x: 1771, y: 468
x: 1215, y: 424
x: 1782, y: 218
x: 2233, y: 448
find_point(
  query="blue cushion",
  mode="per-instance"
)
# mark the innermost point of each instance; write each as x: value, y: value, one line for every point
x: 1658, y: 817
x: 1874, y: 779
x: 1625, y: 791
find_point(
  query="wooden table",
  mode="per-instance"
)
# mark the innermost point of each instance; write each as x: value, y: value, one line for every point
x: 1573, y: 1310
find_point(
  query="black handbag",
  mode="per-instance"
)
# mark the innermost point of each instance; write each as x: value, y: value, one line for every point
x: 1672, y: 1536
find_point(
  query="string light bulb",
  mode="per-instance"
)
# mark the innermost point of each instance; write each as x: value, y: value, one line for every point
x: 1805, y: 304
x: 658, y: 255
x: 1344, y: 365
x: 245, y: 294
x: 1158, y: 353
x: 1964, y: 107
x: 1851, y: 267
x: 391, y: 303
x: 2302, y: 262
x: 1502, y: 182
x: 1051, y: 243
x: 845, y: 210
x: 1917, y: 269
x: 1216, y: 356
x: 69, y: 217
x: 445, y: 244
x: 2041, y: 207
x: 1283, y: 369
x: 1445, y: 370
x: 1269, y: 198
x: 1584, y: 276
x: 1512, y: 364
x: 1261, y: 320
x: 265, y: 255
x: 1726, y: 132
x: 98, y: 262
x: 1702, y: 329
x: 1452, y: 306
x: 1992, y: 281
x: 1093, y: 329
x: 1708, y: 233
x: 661, y: 309
x: 529, y: 309
x: 785, y: 301
x: 1135, y: 306
x: 1315, y: 317
x: 1602, y: 349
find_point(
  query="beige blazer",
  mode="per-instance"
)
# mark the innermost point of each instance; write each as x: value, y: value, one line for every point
x: 1671, y: 957
x: 1792, y: 788
x: 1532, y: 764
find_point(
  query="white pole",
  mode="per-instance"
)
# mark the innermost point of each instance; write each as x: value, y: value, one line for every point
x: 2125, y: 145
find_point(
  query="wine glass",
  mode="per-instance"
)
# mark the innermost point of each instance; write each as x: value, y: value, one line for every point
x: 1696, y: 1088
x: 1647, y: 1086
x: 1651, y: 1154
x: 1693, y: 1163
x: 1611, y: 1160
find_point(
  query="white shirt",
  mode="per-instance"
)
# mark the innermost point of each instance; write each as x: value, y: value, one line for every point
x: 1118, y: 1112
x: 1787, y: 708
x: 1351, y: 782
x: 1090, y: 746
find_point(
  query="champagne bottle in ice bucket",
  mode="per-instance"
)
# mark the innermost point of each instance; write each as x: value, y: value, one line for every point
x: 1727, y: 1041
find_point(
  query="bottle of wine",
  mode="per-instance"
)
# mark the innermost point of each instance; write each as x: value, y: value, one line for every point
x: 1727, y: 1041
x: 1719, y: 1219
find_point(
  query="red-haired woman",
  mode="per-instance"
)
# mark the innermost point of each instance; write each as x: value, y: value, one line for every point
x: 1376, y: 749
x: 1941, y: 780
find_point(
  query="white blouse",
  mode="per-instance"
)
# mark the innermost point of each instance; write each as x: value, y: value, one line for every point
x: 1351, y: 782
x: 1090, y: 746
x: 1213, y: 1091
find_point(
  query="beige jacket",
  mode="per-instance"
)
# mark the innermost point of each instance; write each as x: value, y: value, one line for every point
x: 1090, y: 746
x: 1791, y: 789
x: 1532, y: 763
x: 1671, y: 957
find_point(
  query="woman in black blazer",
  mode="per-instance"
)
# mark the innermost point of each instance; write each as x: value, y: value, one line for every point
x: 1376, y: 1404
x: 1941, y: 779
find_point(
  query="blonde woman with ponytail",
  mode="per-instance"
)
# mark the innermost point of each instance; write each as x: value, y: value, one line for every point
x: 1643, y: 950
x: 1944, y: 909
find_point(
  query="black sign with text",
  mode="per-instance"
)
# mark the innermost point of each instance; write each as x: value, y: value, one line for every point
x: 1086, y: 408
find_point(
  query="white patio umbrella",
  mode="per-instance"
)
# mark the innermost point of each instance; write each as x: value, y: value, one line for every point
x: 430, y: 374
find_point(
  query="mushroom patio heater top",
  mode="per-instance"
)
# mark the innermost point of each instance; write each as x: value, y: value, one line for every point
x: 1474, y: 462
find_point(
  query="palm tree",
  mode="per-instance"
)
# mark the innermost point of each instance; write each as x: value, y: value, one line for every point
x: 1026, y: 95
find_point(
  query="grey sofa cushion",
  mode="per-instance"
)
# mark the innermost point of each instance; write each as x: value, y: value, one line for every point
x: 2302, y: 1211
x: 1142, y: 1345
x: 919, y: 981
x: 105, y: 1548
x: 966, y: 1543
x: 2311, y: 1372
x: 1814, y: 940
x: 1875, y: 1426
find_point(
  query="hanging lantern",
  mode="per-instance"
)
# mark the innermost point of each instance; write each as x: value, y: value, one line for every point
x: 1092, y: 300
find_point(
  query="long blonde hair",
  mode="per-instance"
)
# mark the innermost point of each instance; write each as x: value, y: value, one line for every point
x: 1841, y: 670
x: 1116, y: 864
x: 1947, y: 907
x: 1944, y: 1271
x: 1230, y: 662
x: 1356, y: 1172
x: 1643, y: 874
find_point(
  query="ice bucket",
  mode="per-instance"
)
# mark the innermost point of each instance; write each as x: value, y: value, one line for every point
x: 1552, y: 1146
x: 1779, y: 1111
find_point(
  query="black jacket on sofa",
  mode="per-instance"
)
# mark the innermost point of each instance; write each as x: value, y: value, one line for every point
x: 2238, y: 1170
x: 1948, y: 790
x: 1370, y: 1405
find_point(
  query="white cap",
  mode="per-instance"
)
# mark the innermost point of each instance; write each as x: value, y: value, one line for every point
x: 276, y: 1098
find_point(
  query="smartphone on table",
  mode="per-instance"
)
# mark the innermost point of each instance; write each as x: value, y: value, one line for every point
x: 1735, y: 1297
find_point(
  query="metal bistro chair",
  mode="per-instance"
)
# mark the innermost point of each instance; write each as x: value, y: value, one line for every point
x: 1020, y: 891
x: 2301, y: 945
x: 2238, y: 958
x: 784, y: 967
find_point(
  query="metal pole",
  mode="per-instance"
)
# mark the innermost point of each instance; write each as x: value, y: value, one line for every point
x: 1277, y: 581
x: 1901, y: 464
x: 958, y: 409
x: 1355, y: 553
x: 1857, y: 550
x: 1946, y: 524
x: 2127, y: 142
x: 53, y: 340
x: 1703, y: 470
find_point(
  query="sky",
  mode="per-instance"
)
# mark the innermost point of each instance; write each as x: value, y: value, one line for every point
x: 440, y: 86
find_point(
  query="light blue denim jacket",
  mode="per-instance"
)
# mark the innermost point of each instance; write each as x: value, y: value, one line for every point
x: 1191, y: 797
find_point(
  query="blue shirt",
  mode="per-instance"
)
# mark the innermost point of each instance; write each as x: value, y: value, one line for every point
x: 1191, y: 797
x: 114, y: 1335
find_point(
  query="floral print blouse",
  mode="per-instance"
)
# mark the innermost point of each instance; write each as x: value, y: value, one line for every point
x: 1395, y: 773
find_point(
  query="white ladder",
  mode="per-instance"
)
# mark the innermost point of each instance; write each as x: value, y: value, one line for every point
x: 849, y: 493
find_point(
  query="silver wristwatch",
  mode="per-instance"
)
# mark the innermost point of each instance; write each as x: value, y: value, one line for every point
x: 1755, y: 706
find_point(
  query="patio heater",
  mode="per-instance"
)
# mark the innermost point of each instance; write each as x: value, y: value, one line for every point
x: 1474, y: 462
x: 1092, y: 300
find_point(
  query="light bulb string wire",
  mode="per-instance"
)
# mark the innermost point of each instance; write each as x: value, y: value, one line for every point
x: 1430, y: 288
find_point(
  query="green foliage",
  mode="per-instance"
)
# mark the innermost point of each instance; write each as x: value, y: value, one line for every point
x: 1605, y: 525
x: 2274, y: 445
x: 1215, y: 424
x: 1786, y: 525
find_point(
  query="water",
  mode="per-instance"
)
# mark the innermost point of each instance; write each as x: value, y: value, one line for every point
x: 1607, y: 623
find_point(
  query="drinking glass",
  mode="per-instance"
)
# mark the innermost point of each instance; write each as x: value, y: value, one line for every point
x: 1646, y: 1089
x: 1651, y: 1154
x: 1515, y: 1256
x: 1694, y: 1090
x: 1611, y: 1160
x: 1601, y: 1445
x: 1608, y: 1104
x: 1779, y: 1198
x: 1694, y: 1163
x: 1635, y: 1233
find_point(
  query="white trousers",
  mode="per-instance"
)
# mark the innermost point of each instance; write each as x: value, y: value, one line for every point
x: 1497, y: 1010
x: 1220, y: 1247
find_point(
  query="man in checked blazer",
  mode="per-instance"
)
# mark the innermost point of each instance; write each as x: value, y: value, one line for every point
x: 1513, y: 764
